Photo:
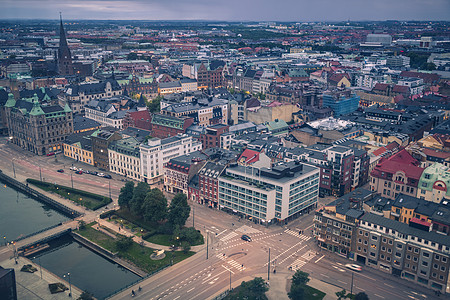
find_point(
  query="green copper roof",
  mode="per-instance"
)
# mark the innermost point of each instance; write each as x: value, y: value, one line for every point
x: 11, y: 102
x: 36, y: 110
x: 432, y: 174
x: 67, y: 108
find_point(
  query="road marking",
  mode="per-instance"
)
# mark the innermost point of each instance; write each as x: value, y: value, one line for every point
x: 190, y: 290
x: 319, y: 259
x: 205, y: 281
x: 176, y: 298
x: 412, y: 297
x: 222, y: 232
x: 379, y: 296
x: 228, y: 269
x: 309, y: 226
x: 325, y: 275
x: 342, y: 282
x: 389, y: 285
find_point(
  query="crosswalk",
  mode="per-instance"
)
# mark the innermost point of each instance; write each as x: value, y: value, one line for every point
x: 231, y: 262
x: 303, y: 260
x: 229, y: 236
x: 247, y: 229
x: 300, y: 236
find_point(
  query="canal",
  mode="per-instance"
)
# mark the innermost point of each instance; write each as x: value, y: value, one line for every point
x: 88, y: 271
x: 21, y: 215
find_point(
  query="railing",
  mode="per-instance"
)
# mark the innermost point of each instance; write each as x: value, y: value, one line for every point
x: 37, y: 232
x: 222, y: 295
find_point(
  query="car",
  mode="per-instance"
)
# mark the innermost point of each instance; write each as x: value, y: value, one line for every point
x: 51, y: 153
x: 74, y: 168
x: 353, y: 267
x: 107, y: 176
x: 101, y: 174
x: 60, y: 171
x: 93, y: 173
x: 86, y: 171
x: 246, y: 238
x: 79, y: 172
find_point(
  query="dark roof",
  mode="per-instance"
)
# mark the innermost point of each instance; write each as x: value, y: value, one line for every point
x: 93, y: 88
x: 40, y: 93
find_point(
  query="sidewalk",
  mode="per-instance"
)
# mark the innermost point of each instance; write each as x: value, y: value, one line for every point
x: 30, y: 286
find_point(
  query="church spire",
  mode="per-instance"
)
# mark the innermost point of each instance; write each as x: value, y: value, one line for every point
x: 65, y: 66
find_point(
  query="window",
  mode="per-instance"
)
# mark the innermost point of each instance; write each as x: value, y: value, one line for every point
x: 374, y: 237
x: 444, y: 259
x: 415, y: 259
x: 416, y: 250
x: 435, y: 266
x: 425, y: 254
x: 443, y: 268
x: 399, y: 246
x: 425, y: 264
x: 408, y: 256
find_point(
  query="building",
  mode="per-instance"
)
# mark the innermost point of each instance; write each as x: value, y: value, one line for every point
x: 65, y: 66
x: 434, y: 183
x: 166, y: 125
x: 399, y: 173
x: 8, y: 288
x: 109, y: 111
x: 341, y: 101
x: 254, y: 158
x: 83, y: 124
x: 180, y: 170
x: 78, y: 146
x: 139, y: 85
x: 279, y: 194
x: 40, y: 129
x: 208, y: 178
x: 138, y: 119
x: 404, y: 250
x: 100, y: 142
x: 157, y: 152
x: 212, y: 136
x: 124, y: 158
x: 211, y: 75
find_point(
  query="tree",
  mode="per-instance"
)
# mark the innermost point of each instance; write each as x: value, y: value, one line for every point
x: 299, y: 280
x: 139, y: 194
x: 179, y: 210
x: 86, y: 296
x: 124, y: 243
x: 341, y: 294
x: 190, y: 235
x: 361, y: 296
x: 186, y: 247
x: 155, y: 206
x: 154, y: 106
x: 132, y: 56
x: 126, y: 194
x: 253, y: 289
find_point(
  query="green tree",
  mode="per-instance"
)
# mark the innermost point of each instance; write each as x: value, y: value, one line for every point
x: 155, y: 206
x: 299, y: 280
x: 139, y: 195
x: 124, y: 243
x: 154, y: 106
x: 297, y: 292
x: 341, y: 294
x: 190, y: 235
x: 253, y: 289
x: 81, y: 225
x: 179, y: 210
x: 361, y: 296
x: 86, y: 296
x: 428, y: 66
x: 126, y: 194
x: 186, y: 247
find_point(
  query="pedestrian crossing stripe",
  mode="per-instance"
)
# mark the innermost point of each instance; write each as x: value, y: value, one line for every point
x: 298, y: 264
x: 300, y: 236
x: 247, y: 229
x: 229, y: 236
x: 231, y: 262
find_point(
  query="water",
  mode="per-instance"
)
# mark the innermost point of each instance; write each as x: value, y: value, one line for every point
x: 88, y: 270
x: 21, y: 215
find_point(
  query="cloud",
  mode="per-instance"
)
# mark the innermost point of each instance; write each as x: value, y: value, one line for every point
x: 233, y: 10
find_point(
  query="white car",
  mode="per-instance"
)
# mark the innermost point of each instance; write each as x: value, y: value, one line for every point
x: 74, y: 168
x: 101, y: 174
x: 353, y: 267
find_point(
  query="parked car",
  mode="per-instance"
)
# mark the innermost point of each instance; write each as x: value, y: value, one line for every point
x: 354, y: 267
x: 79, y: 172
x: 51, y: 153
x: 74, y: 168
x: 107, y: 176
x: 93, y: 173
x: 60, y: 171
x: 246, y: 238
x: 101, y: 174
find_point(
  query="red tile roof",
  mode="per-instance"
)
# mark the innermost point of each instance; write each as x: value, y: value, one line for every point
x: 401, y: 161
x: 400, y: 89
x: 435, y: 153
x: 249, y: 156
x: 381, y: 87
x: 427, y: 77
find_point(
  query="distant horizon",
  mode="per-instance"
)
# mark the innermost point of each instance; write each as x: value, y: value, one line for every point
x: 231, y: 10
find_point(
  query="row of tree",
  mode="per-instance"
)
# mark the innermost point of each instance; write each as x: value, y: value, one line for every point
x: 151, y: 204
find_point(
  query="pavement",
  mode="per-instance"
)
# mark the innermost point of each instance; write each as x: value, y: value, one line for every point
x: 30, y: 286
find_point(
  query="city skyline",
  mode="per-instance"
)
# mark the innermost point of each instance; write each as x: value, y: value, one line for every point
x: 325, y: 10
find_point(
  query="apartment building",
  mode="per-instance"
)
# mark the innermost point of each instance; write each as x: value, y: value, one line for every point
x: 404, y: 250
x: 279, y: 194
x: 124, y: 158
x: 434, y: 184
x: 180, y: 170
x: 78, y: 147
x: 157, y: 152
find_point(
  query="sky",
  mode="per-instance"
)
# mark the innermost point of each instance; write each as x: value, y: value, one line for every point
x: 228, y: 10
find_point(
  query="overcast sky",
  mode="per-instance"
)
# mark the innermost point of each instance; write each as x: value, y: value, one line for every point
x: 228, y: 10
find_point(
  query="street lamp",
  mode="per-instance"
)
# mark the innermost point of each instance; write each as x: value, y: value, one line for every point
x: 70, y: 284
x: 14, y: 169
x: 40, y: 266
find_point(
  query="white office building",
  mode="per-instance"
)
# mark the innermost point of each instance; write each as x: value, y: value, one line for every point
x: 266, y: 195
x: 157, y: 152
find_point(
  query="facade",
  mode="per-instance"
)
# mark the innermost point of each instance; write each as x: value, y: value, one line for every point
x: 40, y: 129
x: 341, y: 102
x: 208, y: 178
x: 78, y: 146
x: 399, y: 173
x: 212, y: 136
x: 434, y: 184
x: 165, y: 125
x: 211, y: 75
x: 100, y: 142
x: 400, y: 249
x: 124, y: 158
x: 280, y: 194
x: 180, y: 170
x: 157, y: 152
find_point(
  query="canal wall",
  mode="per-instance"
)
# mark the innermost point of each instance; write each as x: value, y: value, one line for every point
x: 107, y: 254
x: 39, y: 196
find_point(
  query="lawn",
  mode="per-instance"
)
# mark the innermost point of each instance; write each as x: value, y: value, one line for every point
x: 160, y: 239
x: 86, y: 199
x: 313, y: 294
x: 136, y: 254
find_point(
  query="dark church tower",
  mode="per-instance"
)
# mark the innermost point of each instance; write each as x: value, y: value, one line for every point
x: 65, y: 66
